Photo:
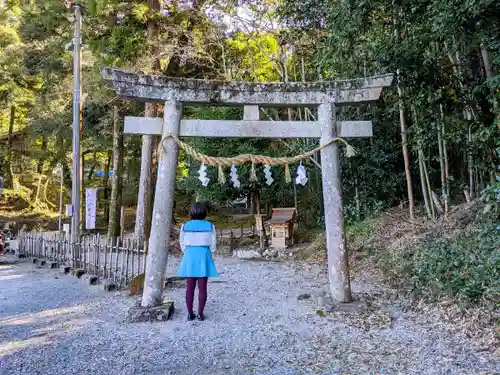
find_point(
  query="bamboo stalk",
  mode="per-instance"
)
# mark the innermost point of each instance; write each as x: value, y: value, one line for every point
x: 429, y: 188
x: 470, y: 162
x: 446, y: 164
x: 423, y: 184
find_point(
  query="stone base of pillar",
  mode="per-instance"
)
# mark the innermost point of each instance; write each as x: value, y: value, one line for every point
x: 161, y: 313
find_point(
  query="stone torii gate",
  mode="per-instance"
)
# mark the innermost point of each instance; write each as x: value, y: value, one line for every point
x: 176, y: 92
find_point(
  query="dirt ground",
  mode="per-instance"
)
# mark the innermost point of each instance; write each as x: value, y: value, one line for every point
x: 262, y: 318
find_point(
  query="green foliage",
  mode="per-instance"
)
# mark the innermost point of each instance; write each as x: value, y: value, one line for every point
x: 360, y: 231
x: 466, y: 266
x: 319, y: 40
x: 491, y: 197
x: 19, y: 198
x: 440, y: 68
x: 223, y: 194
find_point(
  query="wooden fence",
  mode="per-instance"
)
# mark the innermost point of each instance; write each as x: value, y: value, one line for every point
x: 117, y: 261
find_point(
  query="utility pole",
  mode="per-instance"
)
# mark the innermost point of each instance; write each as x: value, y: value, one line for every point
x: 76, y: 170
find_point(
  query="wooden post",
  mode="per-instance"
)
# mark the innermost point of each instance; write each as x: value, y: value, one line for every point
x: 159, y: 238
x: 338, y: 266
x: 122, y: 223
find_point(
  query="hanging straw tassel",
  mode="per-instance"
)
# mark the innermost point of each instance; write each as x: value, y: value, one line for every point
x: 253, y: 173
x: 222, y: 176
x: 350, y: 151
x: 288, y: 176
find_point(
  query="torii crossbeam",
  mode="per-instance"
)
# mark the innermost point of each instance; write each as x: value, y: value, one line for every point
x: 176, y: 92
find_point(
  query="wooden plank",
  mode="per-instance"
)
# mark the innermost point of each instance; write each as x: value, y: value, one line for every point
x: 247, y: 128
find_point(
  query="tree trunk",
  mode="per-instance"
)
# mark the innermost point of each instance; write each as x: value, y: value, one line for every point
x: 429, y: 188
x: 402, y: 117
x: 437, y: 203
x: 470, y: 162
x: 144, y: 201
x: 486, y: 62
x: 423, y: 184
x: 145, y: 196
x: 356, y: 198
x: 116, y: 180
x: 443, y: 162
x: 105, y: 184
x: 263, y: 241
x: 252, y: 209
x: 39, y: 164
x: 468, y: 115
x: 289, y: 113
x: 92, y: 168
x: 488, y: 70
x: 8, y: 181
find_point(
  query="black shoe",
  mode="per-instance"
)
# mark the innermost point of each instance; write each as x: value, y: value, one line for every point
x: 191, y: 317
x: 201, y: 317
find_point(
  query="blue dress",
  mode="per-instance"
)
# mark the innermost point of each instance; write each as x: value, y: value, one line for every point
x: 198, y: 241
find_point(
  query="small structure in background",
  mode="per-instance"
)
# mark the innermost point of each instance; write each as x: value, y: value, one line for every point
x: 282, y: 227
x: 240, y: 206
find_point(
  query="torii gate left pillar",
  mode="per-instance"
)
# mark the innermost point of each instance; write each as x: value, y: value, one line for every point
x: 175, y: 92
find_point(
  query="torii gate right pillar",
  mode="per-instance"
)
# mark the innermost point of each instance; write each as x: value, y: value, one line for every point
x: 338, y: 258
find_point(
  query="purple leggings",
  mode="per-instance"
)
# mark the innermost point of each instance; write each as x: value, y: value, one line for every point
x: 202, y: 293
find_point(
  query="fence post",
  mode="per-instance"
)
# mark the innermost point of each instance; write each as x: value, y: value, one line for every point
x: 117, y: 254
x: 122, y: 223
x: 127, y: 259
x: 104, y: 269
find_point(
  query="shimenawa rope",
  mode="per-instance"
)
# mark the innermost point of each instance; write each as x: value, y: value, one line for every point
x: 226, y: 162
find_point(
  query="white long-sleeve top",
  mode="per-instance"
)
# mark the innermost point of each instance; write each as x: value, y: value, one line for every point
x: 198, y: 239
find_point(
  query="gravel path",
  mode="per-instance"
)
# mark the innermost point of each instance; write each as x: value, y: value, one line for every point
x: 53, y: 324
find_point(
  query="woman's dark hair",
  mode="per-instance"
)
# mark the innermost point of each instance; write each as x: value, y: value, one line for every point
x: 198, y: 211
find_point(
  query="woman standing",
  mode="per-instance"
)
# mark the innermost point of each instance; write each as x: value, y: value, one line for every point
x: 198, y: 241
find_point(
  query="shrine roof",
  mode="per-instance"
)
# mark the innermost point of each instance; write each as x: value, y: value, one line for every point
x: 283, y: 215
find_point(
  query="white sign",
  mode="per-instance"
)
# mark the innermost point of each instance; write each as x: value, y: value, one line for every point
x: 69, y: 210
x: 90, y: 207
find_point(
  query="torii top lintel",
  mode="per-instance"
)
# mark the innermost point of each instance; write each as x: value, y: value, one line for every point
x: 198, y: 91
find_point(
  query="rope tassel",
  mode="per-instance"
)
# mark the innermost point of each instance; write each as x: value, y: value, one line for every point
x: 350, y: 151
x: 253, y: 173
x: 222, y: 176
x: 288, y: 176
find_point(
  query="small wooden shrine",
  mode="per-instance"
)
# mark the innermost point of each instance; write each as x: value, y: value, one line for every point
x: 281, y: 226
